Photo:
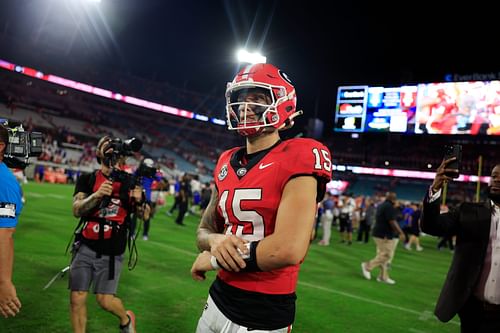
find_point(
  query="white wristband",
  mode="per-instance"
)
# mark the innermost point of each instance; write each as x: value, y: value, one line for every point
x: 244, y: 256
x: 214, y: 263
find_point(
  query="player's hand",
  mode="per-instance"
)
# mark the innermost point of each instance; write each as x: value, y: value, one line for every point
x: 9, y: 303
x: 201, y: 265
x: 440, y: 177
x: 228, y: 249
x: 146, y: 213
x: 105, y: 189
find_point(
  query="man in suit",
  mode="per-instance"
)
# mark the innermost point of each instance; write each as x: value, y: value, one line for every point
x: 472, y: 287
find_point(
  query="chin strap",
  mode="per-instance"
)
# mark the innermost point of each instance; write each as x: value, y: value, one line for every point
x: 289, y: 122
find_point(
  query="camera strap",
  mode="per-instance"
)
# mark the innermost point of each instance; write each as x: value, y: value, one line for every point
x: 132, y: 247
x: 78, y: 230
x: 72, y: 239
x: 111, y: 269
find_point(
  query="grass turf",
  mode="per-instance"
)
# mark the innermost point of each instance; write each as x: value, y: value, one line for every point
x: 332, y: 294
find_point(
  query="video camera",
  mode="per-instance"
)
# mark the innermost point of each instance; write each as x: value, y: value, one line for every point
x: 121, y: 148
x: 126, y: 147
x: 146, y: 169
x: 22, y: 145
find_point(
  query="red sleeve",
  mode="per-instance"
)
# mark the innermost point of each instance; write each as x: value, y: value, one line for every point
x: 309, y: 157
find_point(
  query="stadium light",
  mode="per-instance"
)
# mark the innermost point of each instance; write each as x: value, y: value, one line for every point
x: 252, y: 58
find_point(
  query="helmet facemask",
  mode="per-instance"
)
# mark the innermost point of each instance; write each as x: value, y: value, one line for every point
x: 251, y: 107
x: 260, y: 98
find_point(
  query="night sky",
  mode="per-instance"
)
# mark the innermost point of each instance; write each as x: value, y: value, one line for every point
x: 191, y: 44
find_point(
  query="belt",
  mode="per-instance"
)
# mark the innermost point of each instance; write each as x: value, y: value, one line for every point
x: 489, y: 307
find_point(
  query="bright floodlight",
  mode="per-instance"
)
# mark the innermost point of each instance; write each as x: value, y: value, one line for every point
x: 253, y: 58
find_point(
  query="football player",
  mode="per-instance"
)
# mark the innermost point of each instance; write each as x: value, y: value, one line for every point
x: 257, y: 227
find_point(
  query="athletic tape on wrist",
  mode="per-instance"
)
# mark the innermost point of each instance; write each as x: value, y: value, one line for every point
x: 251, y: 261
x: 214, y: 263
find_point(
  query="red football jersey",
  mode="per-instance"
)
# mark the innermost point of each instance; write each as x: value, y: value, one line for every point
x: 249, y: 196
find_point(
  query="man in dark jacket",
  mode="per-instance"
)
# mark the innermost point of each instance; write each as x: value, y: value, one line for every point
x: 472, y: 287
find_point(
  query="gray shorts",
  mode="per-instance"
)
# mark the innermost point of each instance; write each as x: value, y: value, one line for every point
x: 87, y: 269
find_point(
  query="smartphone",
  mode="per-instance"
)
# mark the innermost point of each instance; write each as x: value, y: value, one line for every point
x: 453, y: 151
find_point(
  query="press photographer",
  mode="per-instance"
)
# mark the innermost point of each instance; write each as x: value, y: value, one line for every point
x: 16, y: 146
x: 104, y: 200
x: 145, y: 175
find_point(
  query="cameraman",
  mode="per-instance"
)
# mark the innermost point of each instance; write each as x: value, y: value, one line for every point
x: 147, y: 174
x: 104, y: 206
x: 10, y: 208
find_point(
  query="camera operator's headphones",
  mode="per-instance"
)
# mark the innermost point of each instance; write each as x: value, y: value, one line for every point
x: 102, y: 141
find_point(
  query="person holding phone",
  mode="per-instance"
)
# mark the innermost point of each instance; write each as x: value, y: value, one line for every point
x: 472, y: 287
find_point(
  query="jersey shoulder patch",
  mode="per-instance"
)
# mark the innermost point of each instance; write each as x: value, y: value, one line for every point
x: 223, y: 162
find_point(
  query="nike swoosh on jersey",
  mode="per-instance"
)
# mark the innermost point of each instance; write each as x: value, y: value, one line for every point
x: 263, y: 166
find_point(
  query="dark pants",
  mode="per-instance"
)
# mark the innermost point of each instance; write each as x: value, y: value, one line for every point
x: 406, y: 231
x: 345, y: 224
x: 183, y: 207
x: 176, y: 204
x: 146, y: 228
x: 147, y: 222
x: 316, y: 226
x: 446, y: 240
x: 364, y: 231
x: 476, y: 317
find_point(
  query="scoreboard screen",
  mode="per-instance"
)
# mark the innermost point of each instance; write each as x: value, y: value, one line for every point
x: 436, y: 108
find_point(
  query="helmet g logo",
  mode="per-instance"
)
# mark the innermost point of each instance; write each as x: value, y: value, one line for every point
x: 284, y: 76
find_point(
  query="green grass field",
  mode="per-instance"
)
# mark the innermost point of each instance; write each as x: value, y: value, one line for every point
x: 332, y: 295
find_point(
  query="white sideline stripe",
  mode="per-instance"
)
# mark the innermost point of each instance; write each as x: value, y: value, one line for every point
x: 33, y: 194
x: 57, y: 196
x: 306, y: 284
x: 51, y: 195
x: 367, y: 300
x: 173, y: 248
